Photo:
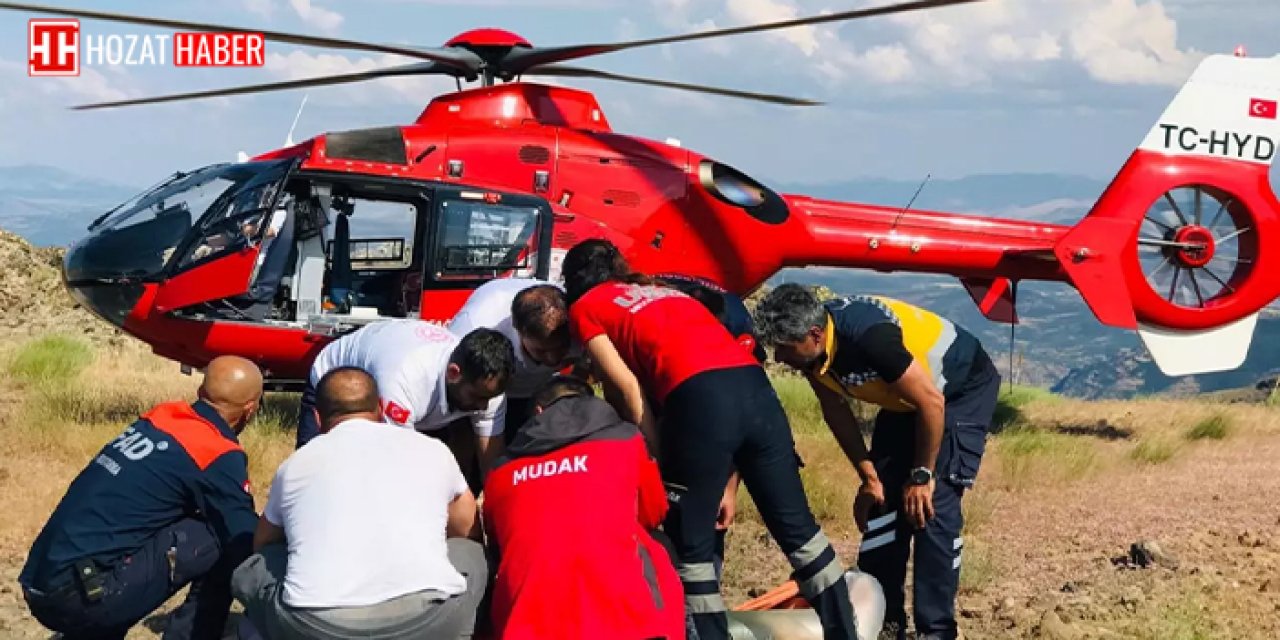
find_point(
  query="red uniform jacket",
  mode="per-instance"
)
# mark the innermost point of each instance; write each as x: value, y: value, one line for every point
x: 569, y: 509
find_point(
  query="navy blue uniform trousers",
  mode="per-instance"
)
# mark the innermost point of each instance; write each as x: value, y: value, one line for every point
x: 889, y: 536
x: 711, y: 423
x: 135, y: 585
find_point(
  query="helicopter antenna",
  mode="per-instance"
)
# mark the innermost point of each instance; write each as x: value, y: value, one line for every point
x: 912, y: 200
x: 288, y: 139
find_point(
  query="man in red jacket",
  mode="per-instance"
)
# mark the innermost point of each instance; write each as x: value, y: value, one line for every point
x: 569, y: 508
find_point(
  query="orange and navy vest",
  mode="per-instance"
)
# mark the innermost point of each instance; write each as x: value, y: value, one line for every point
x: 177, y: 461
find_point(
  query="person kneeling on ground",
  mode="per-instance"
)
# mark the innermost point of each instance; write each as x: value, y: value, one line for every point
x: 124, y: 539
x: 369, y: 531
x: 561, y: 510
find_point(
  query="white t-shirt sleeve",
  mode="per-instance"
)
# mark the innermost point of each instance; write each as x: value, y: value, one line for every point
x: 405, y: 397
x: 272, y: 512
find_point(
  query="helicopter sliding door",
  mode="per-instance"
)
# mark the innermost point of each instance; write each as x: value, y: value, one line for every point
x: 479, y: 235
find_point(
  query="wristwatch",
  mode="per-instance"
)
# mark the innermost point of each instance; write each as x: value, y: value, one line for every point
x: 921, y: 475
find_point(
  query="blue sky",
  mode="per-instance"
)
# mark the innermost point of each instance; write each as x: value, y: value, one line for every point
x: 1067, y: 86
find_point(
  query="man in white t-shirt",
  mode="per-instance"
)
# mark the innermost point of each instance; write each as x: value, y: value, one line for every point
x: 370, y: 531
x: 427, y: 377
x: 533, y: 315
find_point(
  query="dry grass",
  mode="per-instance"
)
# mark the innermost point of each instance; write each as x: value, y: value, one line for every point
x: 56, y: 419
x: 58, y: 406
x: 1030, y: 457
x: 1215, y: 427
x: 1155, y: 450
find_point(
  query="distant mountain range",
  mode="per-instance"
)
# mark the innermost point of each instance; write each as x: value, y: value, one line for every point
x: 52, y: 207
x: 1059, y: 343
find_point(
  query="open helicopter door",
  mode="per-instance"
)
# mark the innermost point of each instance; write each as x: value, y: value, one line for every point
x: 479, y: 235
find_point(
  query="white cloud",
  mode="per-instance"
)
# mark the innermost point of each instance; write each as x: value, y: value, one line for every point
x: 1113, y: 41
x: 755, y: 11
x: 90, y: 86
x: 418, y: 90
x: 1122, y: 42
x: 323, y: 19
x: 262, y: 8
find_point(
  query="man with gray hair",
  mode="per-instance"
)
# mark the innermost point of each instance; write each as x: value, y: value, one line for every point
x: 936, y: 389
x: 369, y: 531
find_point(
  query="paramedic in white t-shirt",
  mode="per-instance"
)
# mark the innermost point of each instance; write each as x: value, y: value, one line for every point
x: 533, y: 315
x: 427, y: 378
x: 370, y: 531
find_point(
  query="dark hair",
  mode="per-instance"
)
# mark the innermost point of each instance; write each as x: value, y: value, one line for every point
x: 787, y: 314
x: 593, y: 262
x: 345, y: 391
x: 562, y: 387
x: 710, y: 298
x: 541, y: 312
x: 484, y: 353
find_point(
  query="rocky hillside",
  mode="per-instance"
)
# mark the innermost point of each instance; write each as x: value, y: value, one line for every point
x: 33, y: 299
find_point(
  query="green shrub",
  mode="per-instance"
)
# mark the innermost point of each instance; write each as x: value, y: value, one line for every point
x: 1154, y: 451
x: 1029, y: 456
x: 50, y: 359
x: 1216, y: 427
x: 1009, y: 405
x: 978, y: 568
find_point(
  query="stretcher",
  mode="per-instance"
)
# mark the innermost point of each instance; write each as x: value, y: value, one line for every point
x: 782, y: 614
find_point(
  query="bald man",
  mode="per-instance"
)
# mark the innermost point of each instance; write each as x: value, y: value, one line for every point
x: 165, y: 504
x: 369, y: 531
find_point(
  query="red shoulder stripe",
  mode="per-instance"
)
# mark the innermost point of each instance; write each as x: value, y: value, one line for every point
x: 200, y: 438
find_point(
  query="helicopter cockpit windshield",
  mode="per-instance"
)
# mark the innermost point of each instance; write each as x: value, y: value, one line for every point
x: 138, y: 239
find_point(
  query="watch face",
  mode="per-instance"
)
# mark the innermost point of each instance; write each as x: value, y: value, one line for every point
x: 920, y: 476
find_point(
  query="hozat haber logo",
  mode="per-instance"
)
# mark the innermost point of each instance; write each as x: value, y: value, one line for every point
x: 57, y: 47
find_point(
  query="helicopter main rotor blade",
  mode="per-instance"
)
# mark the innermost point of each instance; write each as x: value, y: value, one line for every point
x: 417, y: 68
x: 579, y: 72
x: 458, y: 58
x: 519, y: 60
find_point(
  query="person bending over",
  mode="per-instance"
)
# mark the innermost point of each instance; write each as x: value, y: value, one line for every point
x: 534, y: 316
x: 718, y: 410
x: 427, y: 377
x: 936, y: 388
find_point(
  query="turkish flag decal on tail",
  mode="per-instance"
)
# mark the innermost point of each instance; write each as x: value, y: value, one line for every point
x: 1262, y: 108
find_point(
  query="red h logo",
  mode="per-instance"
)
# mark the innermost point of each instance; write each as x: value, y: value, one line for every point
x: 53, y: 47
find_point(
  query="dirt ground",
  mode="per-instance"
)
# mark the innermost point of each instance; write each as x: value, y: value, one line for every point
x: 1061, y: 554
x: 1053, y: 559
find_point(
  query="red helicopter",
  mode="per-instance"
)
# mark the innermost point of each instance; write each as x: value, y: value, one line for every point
x: 274, y: 257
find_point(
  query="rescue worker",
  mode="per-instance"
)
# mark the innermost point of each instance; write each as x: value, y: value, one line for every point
x: 165, y: 504
x: 534, y: 316
x: 561, y: 512
x: 727, y: 306
x: 730, y: 310
x: 427, y: 378
x: 369, y: 531
x: 936, y: 388
x: 718, y: 409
